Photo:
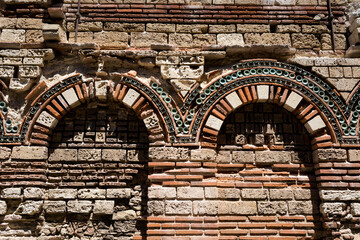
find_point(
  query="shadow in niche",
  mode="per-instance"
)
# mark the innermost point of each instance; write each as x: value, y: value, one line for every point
x: 102, y: 152
x: 278, y: 150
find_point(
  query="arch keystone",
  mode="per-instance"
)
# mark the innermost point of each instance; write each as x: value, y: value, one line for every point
x: 315, y: 124
x: 263, y: 93
x: 292, y: 101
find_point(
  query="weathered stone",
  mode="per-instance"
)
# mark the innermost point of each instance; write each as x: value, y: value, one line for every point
x: 201, y: 40
x: 159, y: 27
x: 315, y: 124
x: 333, y: 209
x: 103, y: 207
x: 113, y: 154
x: 101, y: 89
x: 354, y: 155
x: 340, y: 195
x: 34, y: 36
x: 29, y: 23
x: 7, y: 71
x: 54, y: 32
x: 193, y: 28
x: 82, y: 37
x: 181, y: 40
x: 89, y: 154
x: 71, y: 97
x: 281, y: 194
x: 59, y: 154
x: 302, y: 194
x: 322, y: 155
x: 258, y: 194
x: 344, y: 84
x: 267, y: 38
x: 272, y: 208
x: 161, y: 192
x: 30, y: 208
x: 62, y: 193
x: 34, y: 193
x: 11, y: 193
x: 3, y: 208
x: 168, y: 153
x: 181, y: 72
x: 211, y: 193
x: 315, y: 29
x: 156, y: 207
x: 118, y: 193
x: 91, y: 193
x: 190, y: 193
x: 54, y: 207
x: 20, y: 84
x: 6, y: 22
x: 222, y: 28
x: 203, y: 155
x: 12, y: 35
x: 305, y: 41
x: 214, y: 122
x: 27, y: 152
x: 86, y: 26
x: 131, y: 97
x: 124, y: 27
x: 145, y: 39
x: 29, y: 71
x: 228, y: 193
x: 127, y: 226
x: 178, y: 207
x: 167, y: 60
x: 272, y: 157
x: 355, y: 208
x: 230, y: 39
x: 291, y: 28
x: 111, y: 39
x: 5, y: 153
x: 79, y: 206
x: 205, y: 207
x: 47, y: 120
x: 237, y: 208
x: 223, y: 157
x: 253, y: 28
x: 301, y: 207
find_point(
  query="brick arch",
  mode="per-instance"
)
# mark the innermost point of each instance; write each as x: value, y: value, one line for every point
x: 53, y: 104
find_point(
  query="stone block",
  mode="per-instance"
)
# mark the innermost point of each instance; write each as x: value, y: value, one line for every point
x: 222, y: 28
x: 263, y: 93
x: 83, y: 37
x: 60, y: 154
x: 234, y: 100
x: 47, y: 120
x: 243, y: 157
x: 190, y: 193
x: 5, y: 153
x: 7, y: 71
x: 113, y: 154
x: 267, y: 38
x: 292, y: 101
x: 20, y: 84
x: 34, y: 193
x: 13, y: 35
x: 30, y: 208
x: 267, y: 157
x: 272, y: 208
x: 178, y: 207
x: 339, y: 195
x: 104, y: 207
x: 333, y: 209
x: 101, y: 89
x: 89, y: 154
x: 11, y: 193
x: 118, y: 193
x: 3, y: 208
x: 355, y: 208
x: 305, y: 41
x: 202, y: 40
x: 223, y: 157
x: 325, y: 155
x: 302, y: 194
x: 214, y: 122
x: 152, y: 121
x: 111, y: 39
x: 168, y: 153
x: 161, y: 192
x: 156, y: 207
x: 211, y: 193
x: 145, y: 39
x: 86, y: 26
x: 181, y: 40
x: 27, y: 152
x: 228, y: 193
x: 54, y: 207
x: 160, y: 27
x: 79, y: 206
x: 6, y: 22
x: 205, y: 207
x: 67, y: 193
x: 29, y: 71
x: 91, y: 193
x: 256, y: 194
x: 131, y: 97
x: 71, y: 97
x: 344, y: 84
x: 55, y: 32
x: 167, y: 60
x: 193, y: 28
x: 237, y: 208
x: 253, y: 28
x: 315, y: 124
x: 181, y: 72
x: 34, y: 36
x: 124, y: 27
x: 301, y: 207
x: 233, y: 39
x: 315, y: 29
x: 291, y: 28
x: 203, y: 155
x: 124, y: 215
x: 354, y: 155
x: 281, y: 194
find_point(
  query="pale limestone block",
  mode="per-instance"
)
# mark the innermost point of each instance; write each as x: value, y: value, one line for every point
x: 54, y: 207
x: 331, y: 154
x: 47, y: 120
x: 29, y: 71
x: 101, y: 88
x: 340, y: 195
x: 302, y: 194
x: 11, y: 193
x: 201, y: 40
x: 336, y: 209
x: 161, y: 192
x: 7, y: 22
x: 214, y: 122
x: 60, y: 154
x: 234, y: 100
x: 68, y: 193
x: 253, y: 28
x: 160, y: 27
x: 281, y: 194
x: 205, y: 207
x: 263, y: 93
x: 124, y: 215
x: 111, y: 39
x: 211, y: 193
x: 30, y: 208
x: 237, y: 208
x: 178, y: 207
x: 29, y: 152
x: 222, y: 28
x: 3, y: 207
x: 5, y: 153
x: 300, y: 207
x: 20, y: 84
x: 145, y: 39
x: 156, y: 207
x: 34, y: 193
x: 104, y: 207
x: 272, y: 208
x: 12, y: 35
x: 228, y: 193
x: 118, y: 193
x: 223, y: 157
x: 7, y: 71
x: 89, y: 154
x: 243, y: 157
x: 230, y: 39
x: 182, y: 72
x: 152, y: 121
x: 355, y: 209
x: 190, y: 193
x: 167, y: 60
x: 79, y: 206
x: 268, y: 157
x: 71, y: 97
x: 203, y: 154
x: 354, y: 155
x: 124, y: 27
x: 131, y: 97
x: 292, y: 101
x: 168, y: 153
x: 315, y: 124
x: 254, y: 194
x: 91, y: 193
x: 113, y: 154
x: 193, y: 28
